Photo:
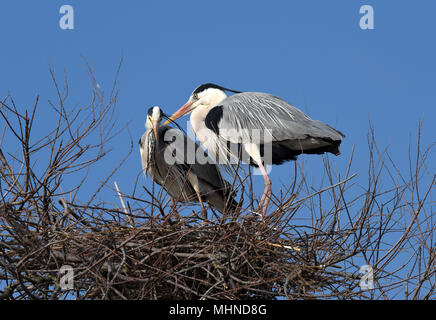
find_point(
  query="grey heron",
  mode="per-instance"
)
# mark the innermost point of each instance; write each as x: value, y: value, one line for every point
x: 282, y: 131
x: 164, y: 157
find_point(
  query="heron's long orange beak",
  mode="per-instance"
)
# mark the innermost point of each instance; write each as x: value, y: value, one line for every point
x: 155, y: 128
x: 182, y: 111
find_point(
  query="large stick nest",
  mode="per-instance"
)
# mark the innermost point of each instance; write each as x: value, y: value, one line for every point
x: 166, y: 258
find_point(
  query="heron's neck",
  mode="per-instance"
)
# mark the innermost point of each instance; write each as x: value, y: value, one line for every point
x: 197, y: 118
x: 199, y: 114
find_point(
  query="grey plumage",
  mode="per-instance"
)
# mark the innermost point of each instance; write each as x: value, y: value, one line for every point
x: 169, y: 163
x: 277, y: 121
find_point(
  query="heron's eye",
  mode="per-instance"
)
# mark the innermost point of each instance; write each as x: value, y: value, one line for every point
x: 195, y: 96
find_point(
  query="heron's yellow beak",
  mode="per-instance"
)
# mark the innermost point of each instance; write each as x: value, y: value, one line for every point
x: 155, y: 128
x: 187, y: 107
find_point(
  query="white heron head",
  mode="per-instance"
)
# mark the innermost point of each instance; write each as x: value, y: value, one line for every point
x: 154, y: 118
x: 205, y: 97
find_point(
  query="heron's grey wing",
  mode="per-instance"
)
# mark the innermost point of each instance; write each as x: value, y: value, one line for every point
x: 188, y: 165
x: 187, y: 155
x: 174, y: 175
x: 273, y: 118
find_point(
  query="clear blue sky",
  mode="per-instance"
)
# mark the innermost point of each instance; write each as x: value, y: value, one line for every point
x: 312, y: 53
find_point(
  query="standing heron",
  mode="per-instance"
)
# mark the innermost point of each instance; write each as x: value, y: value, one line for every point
x: 164, y: 154
x: 270, y: 130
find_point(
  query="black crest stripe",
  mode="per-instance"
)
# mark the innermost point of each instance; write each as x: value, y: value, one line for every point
x: 211, y: 85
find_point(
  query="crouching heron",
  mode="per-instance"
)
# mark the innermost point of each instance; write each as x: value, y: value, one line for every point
x: 269, y: 130
x: 166, y: 158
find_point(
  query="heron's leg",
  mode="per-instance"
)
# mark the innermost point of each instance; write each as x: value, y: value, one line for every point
x: 266, y: 196
x: 174, y: 208
x: 173, y: 203
x: 193, y: 179
x: 254, y: 151
x: 203, y: 209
